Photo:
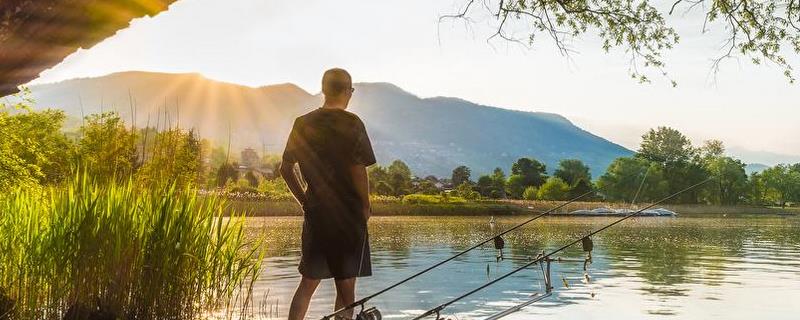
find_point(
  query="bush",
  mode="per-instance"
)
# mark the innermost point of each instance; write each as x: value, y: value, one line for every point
x: 553, y: 189
x: 242, y: 189
x: 466, y: 191
x: 275, y: 189
x: 530, y: 193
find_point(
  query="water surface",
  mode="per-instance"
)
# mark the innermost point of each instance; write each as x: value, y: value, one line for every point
x: 701, y: 267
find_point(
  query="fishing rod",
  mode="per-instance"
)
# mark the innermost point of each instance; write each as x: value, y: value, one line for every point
x: 437, y: 310
x: 364, y: 300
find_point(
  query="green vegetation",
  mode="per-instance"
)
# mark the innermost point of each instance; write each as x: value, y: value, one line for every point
x: 106, y: 223
x: 761, y: 31
x: 665, y: 163
x: 553, y: 189
x: 89, y: 250
x: 432, y: 199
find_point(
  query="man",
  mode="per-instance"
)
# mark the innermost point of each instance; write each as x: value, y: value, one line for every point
x: 333, y: 150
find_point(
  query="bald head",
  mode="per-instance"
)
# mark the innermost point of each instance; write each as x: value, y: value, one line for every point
x: 336, y: 82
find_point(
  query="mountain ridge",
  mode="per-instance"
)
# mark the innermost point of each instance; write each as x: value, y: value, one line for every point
x: 433, y: 135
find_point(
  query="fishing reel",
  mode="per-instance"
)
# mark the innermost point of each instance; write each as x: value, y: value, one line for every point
x: 369, y: 314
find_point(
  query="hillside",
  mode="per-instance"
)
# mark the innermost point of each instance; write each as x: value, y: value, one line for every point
x: 432, y: 135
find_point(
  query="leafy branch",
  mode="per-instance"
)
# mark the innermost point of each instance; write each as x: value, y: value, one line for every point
x: 759, y: 30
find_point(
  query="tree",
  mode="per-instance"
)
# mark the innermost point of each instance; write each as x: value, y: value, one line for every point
x: 399, y: 178
x: 498, y: 184
x: 576, y: 175
x: 534, y: 173
x: 553, y: 189
x: 730, y: 183
x: 759, y: 31
x: 485, y: 185
x: 782, y: 184
x: 530, y: 193
x: 32, y: 148
x: 625, y: 175
x: 377, y: 180
x: 572, y: 170
x: 681, y: 163
x: 251, y: 179
x: 426, y: 186
x: 226, y: 173
x: 460, y: 175
x: 515, y: 186
x: 712, y: 149
x: 107, y: 149
x: 756, y: 189
x: 665, y: 145
x: 173, y: 156
x: 581, y: 187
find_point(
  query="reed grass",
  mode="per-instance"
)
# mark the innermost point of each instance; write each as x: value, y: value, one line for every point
x: 86, y: 250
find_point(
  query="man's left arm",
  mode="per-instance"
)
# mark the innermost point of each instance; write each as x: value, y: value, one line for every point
x: 363, y: 157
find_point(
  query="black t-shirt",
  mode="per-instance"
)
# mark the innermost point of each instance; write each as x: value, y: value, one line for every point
x: 326, y: 143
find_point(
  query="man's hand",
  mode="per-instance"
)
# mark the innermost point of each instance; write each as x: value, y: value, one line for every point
x: 367, y: 211
x: 361, y: 179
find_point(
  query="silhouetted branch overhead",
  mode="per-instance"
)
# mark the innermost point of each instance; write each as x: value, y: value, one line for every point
x: 35, y: 35
x: 764, y: 30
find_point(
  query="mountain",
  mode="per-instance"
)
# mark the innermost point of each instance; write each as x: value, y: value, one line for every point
x: 751, y: 168
x: 432, y: 135
x: 763, y: 157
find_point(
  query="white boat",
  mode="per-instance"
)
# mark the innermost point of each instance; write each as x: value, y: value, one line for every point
x: 608, y: 212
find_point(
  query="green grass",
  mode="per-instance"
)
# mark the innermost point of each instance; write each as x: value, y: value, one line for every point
x: 84, y: 250
x: 268, y: 208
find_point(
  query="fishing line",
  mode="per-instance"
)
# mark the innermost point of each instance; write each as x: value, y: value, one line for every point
x: 436, y: 311
x: 364, y: 300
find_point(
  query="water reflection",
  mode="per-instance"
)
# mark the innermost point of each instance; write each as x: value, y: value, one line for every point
x: 688, y: 268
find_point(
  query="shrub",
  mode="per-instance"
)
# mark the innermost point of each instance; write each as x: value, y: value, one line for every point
x: 530, y: 193
x: 553, y: 189
x: 466, y: 191
x: 275, y: 189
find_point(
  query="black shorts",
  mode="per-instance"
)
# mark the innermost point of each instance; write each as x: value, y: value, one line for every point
x: 326, y: 255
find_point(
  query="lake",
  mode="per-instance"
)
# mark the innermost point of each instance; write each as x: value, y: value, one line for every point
x: 691, y: 267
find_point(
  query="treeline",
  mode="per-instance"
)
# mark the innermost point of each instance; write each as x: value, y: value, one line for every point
x: 665, y: 163
x: 35, y: 151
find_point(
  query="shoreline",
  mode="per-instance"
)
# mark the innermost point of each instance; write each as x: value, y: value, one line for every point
x: 264, y: 208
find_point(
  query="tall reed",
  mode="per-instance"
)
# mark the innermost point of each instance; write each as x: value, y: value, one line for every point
x: 113, y: 251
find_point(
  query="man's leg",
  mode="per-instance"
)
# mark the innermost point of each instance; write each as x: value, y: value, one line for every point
x: 302, y: 297
x: 345, y: 295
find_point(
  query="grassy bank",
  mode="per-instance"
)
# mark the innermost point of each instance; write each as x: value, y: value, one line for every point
x: 679, y: 208
x: 486, y: 207
x: 260, y: 208
x: 115, y: 251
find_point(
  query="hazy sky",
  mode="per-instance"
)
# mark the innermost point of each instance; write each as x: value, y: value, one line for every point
x: 259, y: 42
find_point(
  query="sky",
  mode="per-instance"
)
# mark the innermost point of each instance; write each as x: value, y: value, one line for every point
x: 753, y: 109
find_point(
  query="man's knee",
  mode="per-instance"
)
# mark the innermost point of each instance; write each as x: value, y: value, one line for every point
x: 308, y: 284
x: 346, y: 287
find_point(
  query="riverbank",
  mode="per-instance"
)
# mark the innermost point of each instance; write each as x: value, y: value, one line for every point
x: 265, y: 208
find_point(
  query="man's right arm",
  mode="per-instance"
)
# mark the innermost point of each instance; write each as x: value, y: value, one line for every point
x: 287, y: 165
x: 292, y: 181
